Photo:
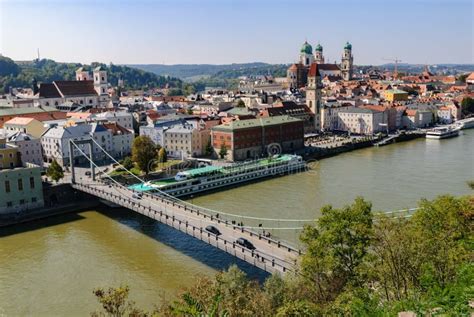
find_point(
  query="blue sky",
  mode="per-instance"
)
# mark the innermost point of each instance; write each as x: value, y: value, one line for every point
x: 235, y: 31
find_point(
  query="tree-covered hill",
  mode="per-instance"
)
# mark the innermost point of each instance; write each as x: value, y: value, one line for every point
x: 194, y: 72
x: 21, y: 74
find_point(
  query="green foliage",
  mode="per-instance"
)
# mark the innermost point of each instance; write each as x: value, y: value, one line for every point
x: 470, y: 184
x: 175, y: 92
x: 209, y: 148
x: 229, y: 293
x: 357, y: 264
x: 114, y: 302
x: 8, y: 67
x: 467, y: 105
x: 127, y: 163
x: 45, y: 70
x: 300, y: 308
x: 336, y: 248
x: 143, y: 153
x: 55, y: 171
x: 162, y: 155
x: 462, y: 78
x: 190, y: 72
x: 223, y: 151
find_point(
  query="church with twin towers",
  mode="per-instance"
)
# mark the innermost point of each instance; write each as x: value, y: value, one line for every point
x: 297, y: 74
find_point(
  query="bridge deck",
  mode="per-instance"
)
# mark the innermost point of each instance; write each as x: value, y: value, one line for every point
x: 270, y: 255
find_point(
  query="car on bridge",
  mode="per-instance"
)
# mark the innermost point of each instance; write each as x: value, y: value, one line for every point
x: 137, y: 195
x: 245, y: 243
x: 213, y: 230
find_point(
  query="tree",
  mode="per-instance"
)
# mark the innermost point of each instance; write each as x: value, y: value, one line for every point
x: 467, y: 105
x: 209, y: 149
x: 462, y: 78
x: 143, y: 153
x: 115, y: 304
x: 55, y: 171
x: 470, y: 184
x: 336, y: 248
x: 8, y: 67
x: 223, y: 151
x: 127, y: 163
x: 162, y: 155
x: 299, y: 308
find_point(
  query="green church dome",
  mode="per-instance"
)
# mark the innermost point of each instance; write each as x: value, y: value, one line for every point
x: 319, y: 48
x: 348, y: 46
x: 306, y: 48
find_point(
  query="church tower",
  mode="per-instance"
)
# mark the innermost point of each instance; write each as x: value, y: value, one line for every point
x: 100, y: 85
x: 318, y: 54
x: 306, y: 54
x: 313, y: 94
x: 346, y: 62
x: 82, y: 74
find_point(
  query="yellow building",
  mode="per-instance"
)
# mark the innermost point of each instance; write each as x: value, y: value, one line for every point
x: 396, y: 95
x: 31, y: 126
x: 9, y: 155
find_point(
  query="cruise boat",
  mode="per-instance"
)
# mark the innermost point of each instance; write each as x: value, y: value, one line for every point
x: 465, y: 123
x: 442, y: 133
x: 207, y: 178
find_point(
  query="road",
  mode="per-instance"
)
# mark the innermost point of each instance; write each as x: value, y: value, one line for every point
x: 276, y: 254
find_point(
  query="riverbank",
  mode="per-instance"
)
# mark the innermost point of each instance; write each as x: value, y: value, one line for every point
x: 59, y: 199
x: 311, y: 152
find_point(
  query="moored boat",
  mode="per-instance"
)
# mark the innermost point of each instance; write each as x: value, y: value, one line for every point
x: 442, y: 133
x: 197, y: 180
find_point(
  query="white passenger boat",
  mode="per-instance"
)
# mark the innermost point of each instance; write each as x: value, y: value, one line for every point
x: 202, y: 179
x: 465, y: 123
x: 442, y: 133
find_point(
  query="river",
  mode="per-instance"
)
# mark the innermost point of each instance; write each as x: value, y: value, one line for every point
x: 50, y: 267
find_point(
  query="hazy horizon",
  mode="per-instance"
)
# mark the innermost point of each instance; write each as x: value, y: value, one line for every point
x: 236, y: 31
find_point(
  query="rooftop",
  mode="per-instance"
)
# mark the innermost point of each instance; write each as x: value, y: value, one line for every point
x: 252, y: 123
x: 7, y: 111
x: 19, y: 120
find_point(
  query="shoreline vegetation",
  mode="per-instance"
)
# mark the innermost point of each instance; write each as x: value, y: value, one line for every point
x: 356, y: 263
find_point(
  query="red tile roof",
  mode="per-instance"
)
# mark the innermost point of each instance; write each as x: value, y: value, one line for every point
x: 328, y: 67
x: 48, y: 90
x: 75, y: 87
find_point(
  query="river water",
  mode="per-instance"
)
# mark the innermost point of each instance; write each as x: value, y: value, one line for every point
x: 50, y: 267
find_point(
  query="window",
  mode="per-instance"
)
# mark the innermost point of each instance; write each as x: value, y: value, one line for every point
x: 7, y: 186
x: 22, y: 201
x: 20, y: 184
x: 32, y: 182
x: 9, y: 204
x: 33, y: 200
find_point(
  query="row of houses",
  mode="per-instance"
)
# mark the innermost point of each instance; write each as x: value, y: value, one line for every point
x: 48, y: 140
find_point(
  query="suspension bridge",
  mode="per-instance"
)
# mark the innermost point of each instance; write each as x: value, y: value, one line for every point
x: 270, y: 254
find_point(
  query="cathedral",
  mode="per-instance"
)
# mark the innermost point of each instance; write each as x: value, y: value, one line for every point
x: 297, y: 74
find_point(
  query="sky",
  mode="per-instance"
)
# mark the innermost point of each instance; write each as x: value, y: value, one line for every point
x: 236, y: 31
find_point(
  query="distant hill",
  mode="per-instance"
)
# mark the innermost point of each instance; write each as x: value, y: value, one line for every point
x: 452, y: 69
x: 21, y: 74
x: 193, y: 72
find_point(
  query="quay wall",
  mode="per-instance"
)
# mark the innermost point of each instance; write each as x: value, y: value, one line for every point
x: 59, y: 199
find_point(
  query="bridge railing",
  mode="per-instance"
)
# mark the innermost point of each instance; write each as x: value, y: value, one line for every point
x: 217, y: 217
x: 257, y: 258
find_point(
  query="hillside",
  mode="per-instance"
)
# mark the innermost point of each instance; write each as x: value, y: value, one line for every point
x: 21, y: 74
x: 194, y: 72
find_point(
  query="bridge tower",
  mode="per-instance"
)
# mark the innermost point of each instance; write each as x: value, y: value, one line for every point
x: 74, y: 144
